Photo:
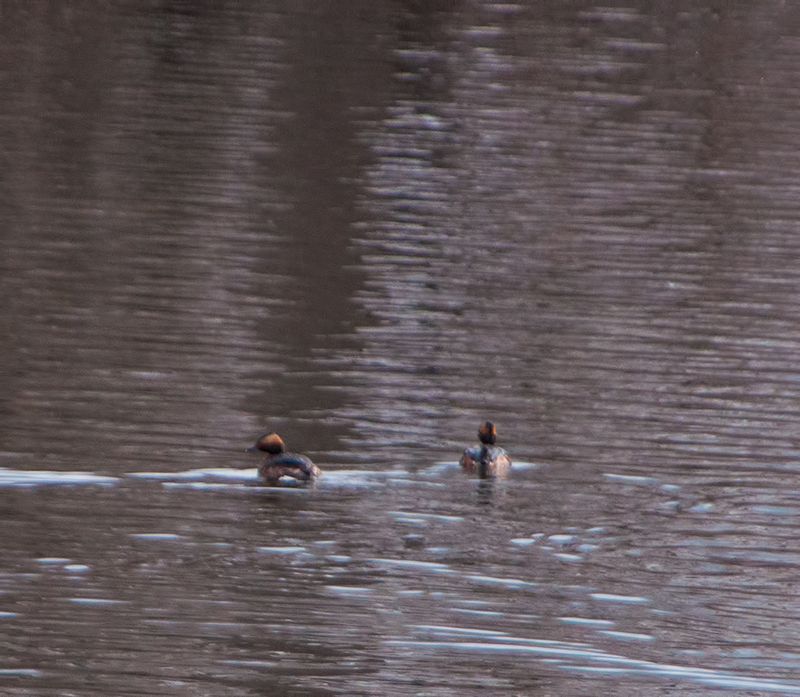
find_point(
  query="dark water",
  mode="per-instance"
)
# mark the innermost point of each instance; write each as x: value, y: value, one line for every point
x: 369, y: 226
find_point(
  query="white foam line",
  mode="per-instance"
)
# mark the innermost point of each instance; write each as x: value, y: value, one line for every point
x: 349, y: 590
x: 365, y: 474
x: 430, y: 516
x: 199, y: 474
x: 252, y: 664
x: 610, y: 597
x: 428, y: 565
x: 586, y: 621
x: 510, y: 582
x: 627, y: 635
x: 564, y: 556
x: 460, y: 630
x: 437, y: 567
x: 623, y: 663
x: 10, y: 477
x: 501, y: 648
x: 521, y: 466
x: 448, y: 465
x: 199, y: 485
x: 480, y: 613
x: 523, y: 541
x: 630, y: 478
x: 21, y: 672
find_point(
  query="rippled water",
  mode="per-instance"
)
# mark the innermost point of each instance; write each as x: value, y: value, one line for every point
x: 369, y: 227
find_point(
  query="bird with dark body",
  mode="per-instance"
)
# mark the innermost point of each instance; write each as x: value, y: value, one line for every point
x: 487, y: 459
x: 279, y: 463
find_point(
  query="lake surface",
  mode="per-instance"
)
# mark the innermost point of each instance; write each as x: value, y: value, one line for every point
x: 370, y: 226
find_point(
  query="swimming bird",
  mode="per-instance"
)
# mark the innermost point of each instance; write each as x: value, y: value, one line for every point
x: 279, y: 463
x: 487, y: 459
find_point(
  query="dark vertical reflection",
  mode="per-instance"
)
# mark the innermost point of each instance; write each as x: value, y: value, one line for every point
x: 131, y: 277
x: 333, y: 80
x: 52, y: 111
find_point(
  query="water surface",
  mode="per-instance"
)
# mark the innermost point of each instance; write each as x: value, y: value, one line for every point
x: 370, y: 228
